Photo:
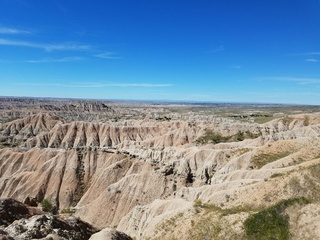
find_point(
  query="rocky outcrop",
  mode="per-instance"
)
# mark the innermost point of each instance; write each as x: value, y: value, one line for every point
x: 20, y: 130
x: 104, y: 135
x: 18, y: 221
x: 67, y: 109
x: 11, y: 210
x: 49, y: 227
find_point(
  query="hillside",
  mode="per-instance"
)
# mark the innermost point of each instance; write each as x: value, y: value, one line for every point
x: 166, y: 171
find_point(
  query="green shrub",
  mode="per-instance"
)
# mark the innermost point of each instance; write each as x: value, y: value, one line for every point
x: 197, y: 202
x: 271, y: 223
x: 276, y: 175
x: 306, y: 121
x: 212, y: 137
x: 46, y: 205
x: 240, y: 136
x: 67, y: 211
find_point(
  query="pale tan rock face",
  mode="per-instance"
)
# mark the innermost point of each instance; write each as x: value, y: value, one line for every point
x: 142, y: 221
x: 137, y: 174
x: 109, y: 234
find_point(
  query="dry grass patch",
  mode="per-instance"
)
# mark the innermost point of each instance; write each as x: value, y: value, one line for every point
x: 262, y: 159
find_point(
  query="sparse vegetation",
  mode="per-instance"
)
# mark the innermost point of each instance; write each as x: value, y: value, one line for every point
x: 206, y: 229
x: 310, y: 183
x: 265, y: 224
x: 197, y: 202
x: 156, y: 168
x: 67, y: 211
x: 212, y: 222
x: 241, y: 151
x: 7, y: 120
x: 212, y: 137
x: 315, y: 171
x: 165, y: 118
x: 271, y: 223
x: 307, y: 184
x: 8, y: 144
x: 287, y: 120
x: 264, y: 119
x: 167, y: 227
x: 294, y: 185
x: 276, y: 175
x: 47, y: 205
x: 225, y: 211
x: 306, y: 121
x: 262, y: 159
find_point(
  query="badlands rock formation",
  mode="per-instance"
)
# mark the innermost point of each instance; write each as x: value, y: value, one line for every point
x: 161, y: 171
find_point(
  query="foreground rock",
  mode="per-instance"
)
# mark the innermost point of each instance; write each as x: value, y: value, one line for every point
x: 11, y: 210
x: 18, y: 221
x: 46, y: 226
x: 110, y: 234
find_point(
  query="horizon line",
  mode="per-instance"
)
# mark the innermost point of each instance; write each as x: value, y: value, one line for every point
x: 161, y: 101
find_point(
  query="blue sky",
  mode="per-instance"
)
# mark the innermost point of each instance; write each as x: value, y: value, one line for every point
x: 208, y: 50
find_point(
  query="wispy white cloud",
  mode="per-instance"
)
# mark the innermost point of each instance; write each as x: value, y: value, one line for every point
x: 236, y: 66
x: 98, y: 85
x: 313, y: 53
x: 148, y: 85
x: 4, y: 61
x: 47, y: 47
x: 311, y: 60
x: 108, y: 55
x: 6, y: 30
x: 61, y: 8
x: 305, y: 54
x: 218, y: 49
x: 303, y: 81
x: 282, y: 93
x: 66, y: 59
